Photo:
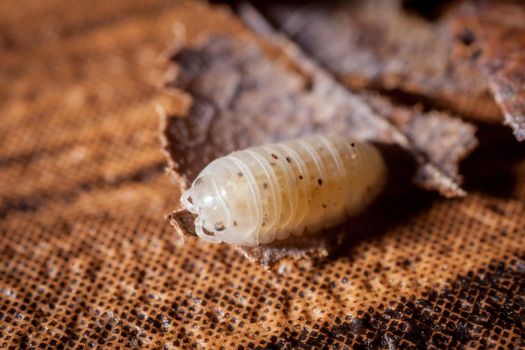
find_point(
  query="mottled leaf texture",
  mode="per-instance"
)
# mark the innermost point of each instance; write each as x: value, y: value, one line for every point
x: 494, y: 37
x: 380, y: 45
x: 243, y: 96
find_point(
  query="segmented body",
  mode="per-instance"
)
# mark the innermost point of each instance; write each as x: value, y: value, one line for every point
x: 263, y: 193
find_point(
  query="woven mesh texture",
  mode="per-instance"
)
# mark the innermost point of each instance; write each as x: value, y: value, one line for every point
x: 87, y: 259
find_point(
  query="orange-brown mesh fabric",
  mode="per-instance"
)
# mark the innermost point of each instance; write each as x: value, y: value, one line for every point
x: 88, y: 260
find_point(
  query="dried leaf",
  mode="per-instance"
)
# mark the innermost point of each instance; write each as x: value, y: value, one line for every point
x: 496, y: 41
x: 243, y: 94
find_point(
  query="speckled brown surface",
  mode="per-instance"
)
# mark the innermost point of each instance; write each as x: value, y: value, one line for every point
x: 88, y: 260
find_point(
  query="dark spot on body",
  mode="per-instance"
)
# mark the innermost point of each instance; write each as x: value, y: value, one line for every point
x: 219, y: 226
x: 324, y: 205
x: 265, y: 185
x: 274, y: 156
x: 319, y: 182
x: 240, y: 174
x: 198, y: 181
x: 300, y: 177
x: 288, y: 159
x: 273, y: 164
x: 467, y: 37
x: 353, y: 144
x: 235, y: 223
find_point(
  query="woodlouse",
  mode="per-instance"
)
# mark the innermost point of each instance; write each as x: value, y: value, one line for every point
x: 293, y: 187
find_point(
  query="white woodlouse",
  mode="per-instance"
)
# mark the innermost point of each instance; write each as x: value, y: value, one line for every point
x: 259, y: 194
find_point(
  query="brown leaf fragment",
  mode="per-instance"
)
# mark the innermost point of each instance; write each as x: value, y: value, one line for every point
x: 246, y: 92
x: 496, y: 45
x: 377, y: 44
x: 183, y: 222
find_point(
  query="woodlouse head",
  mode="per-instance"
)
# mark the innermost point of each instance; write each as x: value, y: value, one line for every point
x: 204, y: 200
x: 220, y: 197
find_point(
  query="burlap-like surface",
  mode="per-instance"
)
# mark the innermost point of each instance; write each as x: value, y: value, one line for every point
x: 88, y: 260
